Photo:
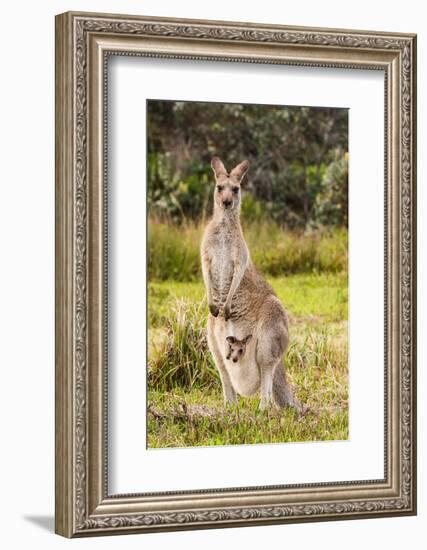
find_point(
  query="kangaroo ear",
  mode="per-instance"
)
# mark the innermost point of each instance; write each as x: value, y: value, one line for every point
x: 240, y: 170
x: 231, y: 339
x: 218, y: 167
x: 247, y: 338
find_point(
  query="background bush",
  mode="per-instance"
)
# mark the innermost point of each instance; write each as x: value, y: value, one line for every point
x: 298, y: 156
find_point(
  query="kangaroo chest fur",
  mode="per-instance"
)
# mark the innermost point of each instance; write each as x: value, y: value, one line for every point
x: 223, y: 253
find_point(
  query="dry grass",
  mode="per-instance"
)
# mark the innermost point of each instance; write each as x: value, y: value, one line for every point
x: 174, y: 250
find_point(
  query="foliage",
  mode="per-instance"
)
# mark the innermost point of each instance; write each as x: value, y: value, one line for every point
x: 331, y: 206
x: 291, y: 151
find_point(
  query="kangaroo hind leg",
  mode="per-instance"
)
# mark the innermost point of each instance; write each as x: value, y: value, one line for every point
x: 269, y: 353
x: 282, y: 393
x: 227, y: 388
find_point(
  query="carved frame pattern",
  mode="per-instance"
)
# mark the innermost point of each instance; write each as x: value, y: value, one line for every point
x: 83, y: 509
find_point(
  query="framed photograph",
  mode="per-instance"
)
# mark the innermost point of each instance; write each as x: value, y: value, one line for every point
x: 235, y: 274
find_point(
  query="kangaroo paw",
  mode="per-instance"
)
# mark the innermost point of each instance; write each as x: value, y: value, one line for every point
x: 214, y: 310
x: 227, y: 312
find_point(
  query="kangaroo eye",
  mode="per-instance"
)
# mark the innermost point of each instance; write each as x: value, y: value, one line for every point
x: 220, y: 188
x: 235, y: 190
x: 240, y: 351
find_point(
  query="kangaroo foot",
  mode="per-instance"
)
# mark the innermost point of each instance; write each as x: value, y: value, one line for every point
x: 294, y: 403
x: 230, y: 401
x: 230, y: 396
x: 265, y: 404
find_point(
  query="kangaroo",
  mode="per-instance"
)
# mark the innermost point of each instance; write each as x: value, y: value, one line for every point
x: 236, y: 348
x: 241, y: 302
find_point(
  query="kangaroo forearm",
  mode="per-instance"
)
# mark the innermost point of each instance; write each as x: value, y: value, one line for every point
x: 239, y: 271
x: 207, y: 278
x: 209, y: 294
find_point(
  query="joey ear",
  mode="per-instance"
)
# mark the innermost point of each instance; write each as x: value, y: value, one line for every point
x: 218, y: 167
x: 231, y: 339
x: 247, y: 338
x: 240, y: 170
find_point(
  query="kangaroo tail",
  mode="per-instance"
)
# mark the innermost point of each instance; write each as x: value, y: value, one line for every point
x: 282, y: 394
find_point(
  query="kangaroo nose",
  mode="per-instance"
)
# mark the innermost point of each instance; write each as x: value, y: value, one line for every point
x: 234, y: 360
x: 226, y: 203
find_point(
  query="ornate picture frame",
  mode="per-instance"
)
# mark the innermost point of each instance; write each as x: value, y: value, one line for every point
x: 84, y: 506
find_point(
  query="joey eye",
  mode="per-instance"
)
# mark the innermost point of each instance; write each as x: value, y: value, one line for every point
x: 235, y: 190
x: 220, y: 188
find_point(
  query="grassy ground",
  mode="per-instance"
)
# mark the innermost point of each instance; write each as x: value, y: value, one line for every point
x: 185, y: 401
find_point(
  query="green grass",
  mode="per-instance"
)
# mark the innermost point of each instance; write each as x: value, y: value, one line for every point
x: 198, y: 418
x: 185, y: 398
x: 307, y: 296
x: 173, y: 251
